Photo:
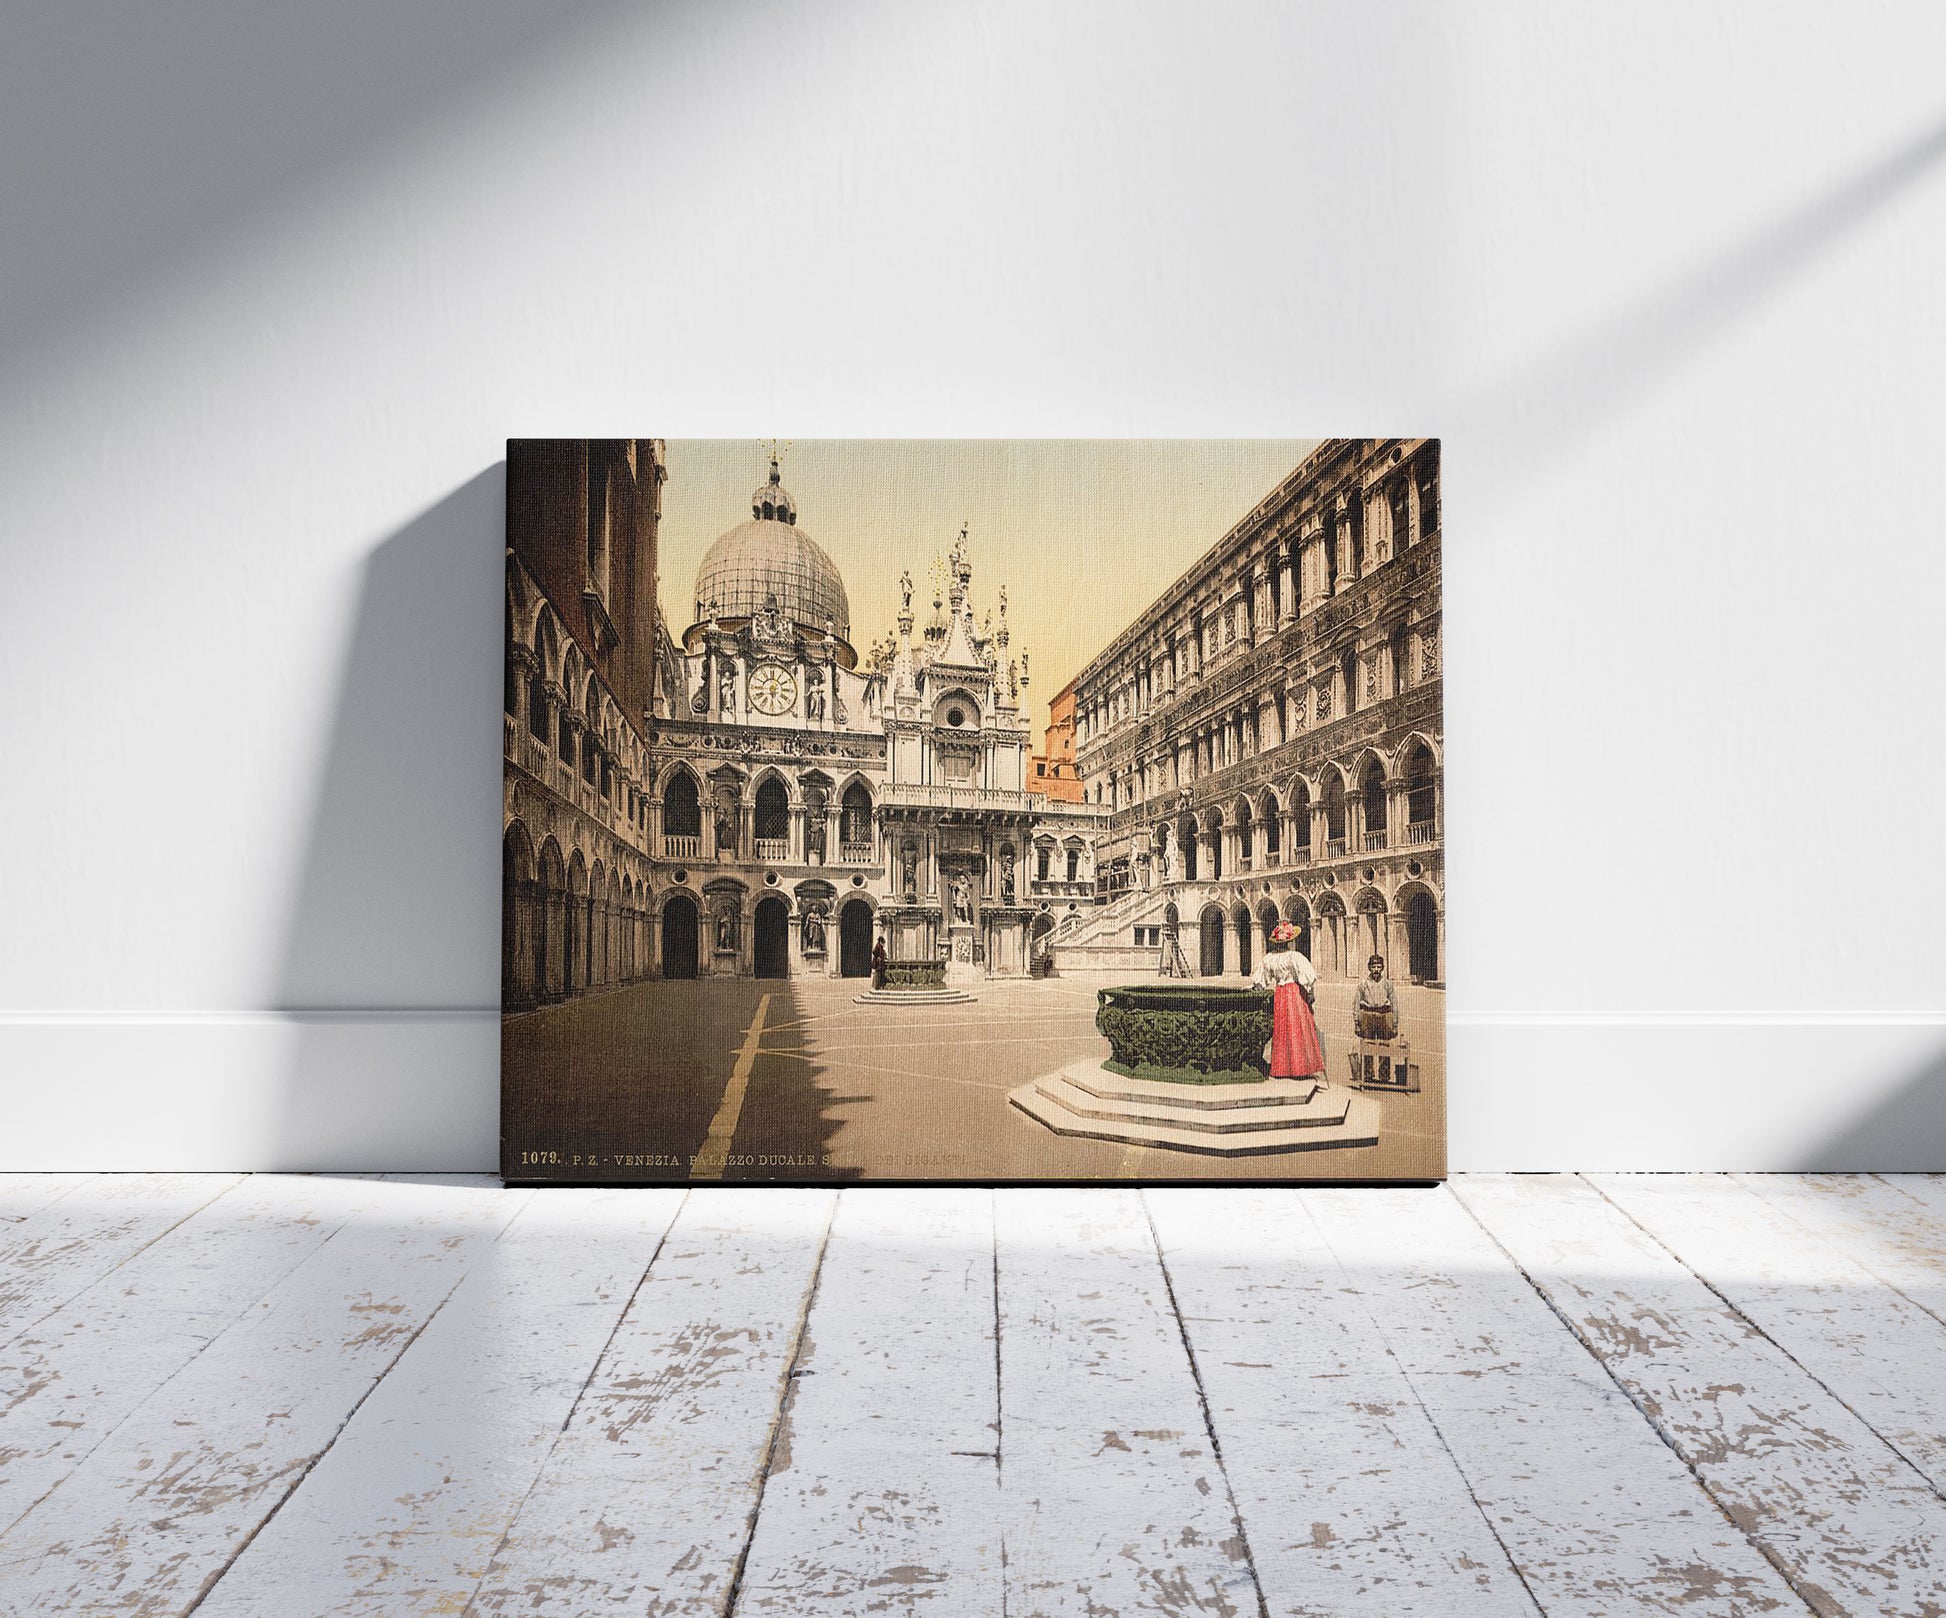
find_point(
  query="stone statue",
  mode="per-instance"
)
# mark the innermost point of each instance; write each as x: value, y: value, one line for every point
x: 726, y: 832
x: 728, y: 685
x: 910, y: 861
x: 905, y: 590
x: 962, y: 901
x: 726, y: 932
x: 814, y: 700
x: 1007, y: 877
x: 814, y: 836
x: 814, y: 931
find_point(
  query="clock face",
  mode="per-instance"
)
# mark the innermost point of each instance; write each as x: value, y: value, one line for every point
x: 773, y: 690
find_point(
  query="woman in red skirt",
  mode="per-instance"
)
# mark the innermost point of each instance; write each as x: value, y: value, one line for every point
x: 1295, y: 1049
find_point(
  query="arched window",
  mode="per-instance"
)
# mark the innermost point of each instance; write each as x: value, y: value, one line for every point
x: 1426, y: 471
x: 773, y: 818
x: 1301, y: 822
x: 1074, y: 865
x: 1401, y: 519
x: 682, y: 813
x: 537, y: 705
x: 1420, y: 807
x: 1042, y: 856
x: 1273, y: 827
x: 1372, y: 789
x: 1334, y: 816
x: 857, y: 811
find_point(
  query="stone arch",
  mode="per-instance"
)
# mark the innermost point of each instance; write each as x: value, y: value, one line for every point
x: 1418, y: 769
x: 855, y: 817
x: 520, y: 964
x: 1332, y: 796
x: 1417, y: 924
x: 1332, y: 929
x: 957, y: 699
x: 682, y: 805
x: 1298, y: 914
x: 1271, y: 812
x: 681, y: 934
x: 1210, y: 930
x: 771, y: 808
x: 551, y: 916
x: 857, y: 923
x: 600, y: 905
x: 1374, y: 798
x: 1370, y: 934
x: 575, y: 938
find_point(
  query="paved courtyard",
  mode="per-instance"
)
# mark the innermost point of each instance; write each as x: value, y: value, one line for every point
x: 745, y: 1079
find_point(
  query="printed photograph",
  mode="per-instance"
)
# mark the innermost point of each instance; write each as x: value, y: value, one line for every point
x: 983, y: 811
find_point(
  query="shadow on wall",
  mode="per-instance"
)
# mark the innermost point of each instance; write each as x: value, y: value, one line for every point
x: 1552, y: 408
x: 392, y: 957
x: 1904, y: 1134
x: 133, y: 138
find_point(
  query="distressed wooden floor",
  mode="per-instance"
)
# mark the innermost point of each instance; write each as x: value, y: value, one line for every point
x: 1563, y: 1395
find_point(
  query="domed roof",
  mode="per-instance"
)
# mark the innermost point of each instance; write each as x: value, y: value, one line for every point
x: 770, y: 556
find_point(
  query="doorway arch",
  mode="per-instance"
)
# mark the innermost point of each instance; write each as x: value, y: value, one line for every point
x: 1422, y: 937
x: 855, y: 939
x: 1242, y: 919
x: 773, y: 950
x: 1211, y: 929
x: 680, y: 932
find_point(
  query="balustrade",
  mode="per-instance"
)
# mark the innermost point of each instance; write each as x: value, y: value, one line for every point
x: 1419, y: 831
x: 1334, y: 848
x: 773, y: 849
x: 682, y: 848
x: 1375, y: 839
x: 855, y: 853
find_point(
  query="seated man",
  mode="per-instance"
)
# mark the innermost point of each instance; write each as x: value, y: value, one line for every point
x: 1375, y: 1014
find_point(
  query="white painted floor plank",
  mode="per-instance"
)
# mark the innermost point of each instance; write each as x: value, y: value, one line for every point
x: 72, y: 1378
x: 1894, y: 1225
x: 1855, y: 1527
x: 1600, y: 1517
x: 155, y: 1513
x: 23, y: 1194
x: 1350, y: 1500
x: 403, y: 1514
x: 884, y: 1494
x: 1113, y: 1499
x: 63, y: 1247
x: 646, y: 1503
x: 1876, y: 1351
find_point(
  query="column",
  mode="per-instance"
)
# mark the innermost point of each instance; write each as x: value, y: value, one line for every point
x: 1398, y: 950
x: 1287, y: 586
x: 796, y: 845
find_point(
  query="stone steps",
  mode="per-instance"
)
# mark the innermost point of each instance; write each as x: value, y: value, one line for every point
x: 1084, y: 1099
x: 1104, y: 1084
x: 914, y: 997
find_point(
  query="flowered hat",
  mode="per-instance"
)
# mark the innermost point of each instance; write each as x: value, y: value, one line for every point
x: 1283, y: 932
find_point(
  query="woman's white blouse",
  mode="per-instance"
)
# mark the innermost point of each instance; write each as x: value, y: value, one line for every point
x: 1286, y: 966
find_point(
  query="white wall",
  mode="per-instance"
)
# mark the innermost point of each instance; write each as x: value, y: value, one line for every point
x: 278, y: 282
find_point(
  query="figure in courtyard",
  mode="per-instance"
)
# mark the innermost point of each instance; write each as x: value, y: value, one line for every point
x: 1375, y: 1010
x: 1296, y: 1052
x: 878, y: 964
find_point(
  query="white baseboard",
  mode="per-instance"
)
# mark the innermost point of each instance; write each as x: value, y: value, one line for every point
x: 420, y: 1090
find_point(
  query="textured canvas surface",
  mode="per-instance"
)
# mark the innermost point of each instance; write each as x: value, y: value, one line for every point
x: 973, y: 811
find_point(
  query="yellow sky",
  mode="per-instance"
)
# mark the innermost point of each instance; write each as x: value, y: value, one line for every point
x: 1084, y: 534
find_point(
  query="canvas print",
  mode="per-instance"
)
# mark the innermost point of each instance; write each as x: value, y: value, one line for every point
x: 985, y: 811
